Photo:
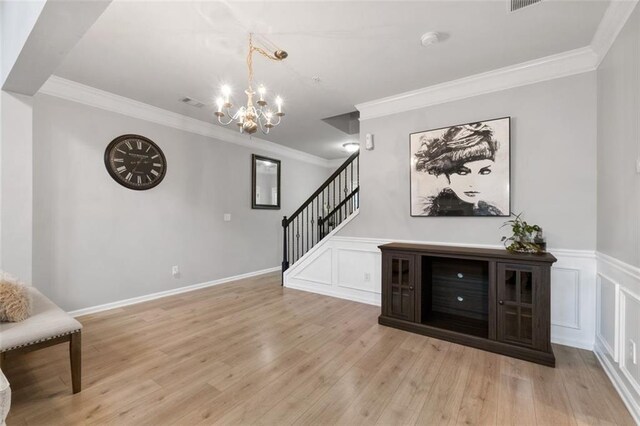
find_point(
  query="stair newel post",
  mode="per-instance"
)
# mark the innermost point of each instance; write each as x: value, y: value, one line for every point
x: 285, y: 257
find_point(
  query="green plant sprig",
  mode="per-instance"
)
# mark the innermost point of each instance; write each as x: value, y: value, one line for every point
x: 520, y: 240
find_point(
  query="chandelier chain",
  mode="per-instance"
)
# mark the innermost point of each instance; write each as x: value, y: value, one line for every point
x: 253, y: 48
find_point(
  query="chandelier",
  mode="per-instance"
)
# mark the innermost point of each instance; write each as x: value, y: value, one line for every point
x: 252, y: 116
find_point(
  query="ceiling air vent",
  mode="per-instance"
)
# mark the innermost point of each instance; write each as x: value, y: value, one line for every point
x: 193, y: 102
x: 520, y: 4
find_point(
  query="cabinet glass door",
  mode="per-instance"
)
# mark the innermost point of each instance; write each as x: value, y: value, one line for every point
x: 400, y: 303
x: 515, y: 303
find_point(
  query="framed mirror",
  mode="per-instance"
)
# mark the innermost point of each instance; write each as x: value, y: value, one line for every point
x: 265, y: 182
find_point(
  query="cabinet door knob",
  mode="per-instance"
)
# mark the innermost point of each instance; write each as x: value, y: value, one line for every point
x: 500, y: 302
x: 411, y: 287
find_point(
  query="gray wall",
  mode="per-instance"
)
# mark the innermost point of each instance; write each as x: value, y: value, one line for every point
x: 16, y: 176
x: 97, y: 242
x: 553, y: 166
x: 619, y: 146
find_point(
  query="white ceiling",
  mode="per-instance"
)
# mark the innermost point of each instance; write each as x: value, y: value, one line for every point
x: 160, y: 52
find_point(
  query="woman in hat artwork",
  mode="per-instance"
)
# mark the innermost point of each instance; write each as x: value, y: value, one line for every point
x: 458, y: 171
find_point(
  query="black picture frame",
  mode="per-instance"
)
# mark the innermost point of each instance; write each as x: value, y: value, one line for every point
x: 504, y: 213
x: 254, y: 205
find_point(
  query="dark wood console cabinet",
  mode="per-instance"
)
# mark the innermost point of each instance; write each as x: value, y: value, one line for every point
x: 486, y: 298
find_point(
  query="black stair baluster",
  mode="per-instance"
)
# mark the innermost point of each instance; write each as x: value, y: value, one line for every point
x: 351, y: 180
x: 334, y: 196
x: 300, y: 234
x: 285, y: 256
x: 292, y: 250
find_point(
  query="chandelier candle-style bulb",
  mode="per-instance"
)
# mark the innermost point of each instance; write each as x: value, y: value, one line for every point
x: 226, y: 92
x: 220, y: 103
x: 261, y: 92
x: 255, y: 114
x: 269, y: 116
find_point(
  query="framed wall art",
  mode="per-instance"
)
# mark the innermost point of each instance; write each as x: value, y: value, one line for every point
x: 462, y: 170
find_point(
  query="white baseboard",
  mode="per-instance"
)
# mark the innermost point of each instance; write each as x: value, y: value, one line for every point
x: 574, y: 343
x: 363, y: 297
x: 161, y: 294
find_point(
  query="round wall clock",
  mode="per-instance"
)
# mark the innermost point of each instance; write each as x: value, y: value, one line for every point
x: 135, y: 162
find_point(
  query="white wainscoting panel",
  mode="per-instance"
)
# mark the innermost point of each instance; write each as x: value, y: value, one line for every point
x: 320, y: 270
x: 607, y: 325
x: 356, y: 267
x: 630, y: 336
x: 564, y: 314
x: 618, y: 327
x: 573, y: 298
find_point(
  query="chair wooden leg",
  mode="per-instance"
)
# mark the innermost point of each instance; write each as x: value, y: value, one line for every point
x: 75, y: 353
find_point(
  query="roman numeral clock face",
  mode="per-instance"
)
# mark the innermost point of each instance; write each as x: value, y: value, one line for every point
x: 135, y: 162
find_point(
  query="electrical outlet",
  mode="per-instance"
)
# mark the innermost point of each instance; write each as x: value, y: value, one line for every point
x: 638, y: 166
x: 175, y: 271
x: 632, y: 351
x: 227, y: 217
x: 367, y: 277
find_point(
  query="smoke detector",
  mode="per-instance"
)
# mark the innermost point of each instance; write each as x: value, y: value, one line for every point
x: 429, y: 38
x: 193, y: 102
x: 514, y: 5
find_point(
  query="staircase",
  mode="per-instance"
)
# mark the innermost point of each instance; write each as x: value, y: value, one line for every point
x: 332, y: 203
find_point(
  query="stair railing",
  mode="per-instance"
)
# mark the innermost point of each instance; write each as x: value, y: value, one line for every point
x: 327, y: 207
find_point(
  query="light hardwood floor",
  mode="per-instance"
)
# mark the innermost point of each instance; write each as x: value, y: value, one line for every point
x: 251, y: 352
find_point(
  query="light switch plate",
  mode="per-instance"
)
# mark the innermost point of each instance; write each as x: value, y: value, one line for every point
x: 227, y: 217
x: 368, y: 142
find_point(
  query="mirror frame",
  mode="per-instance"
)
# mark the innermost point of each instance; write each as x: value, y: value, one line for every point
x: 254, y: 160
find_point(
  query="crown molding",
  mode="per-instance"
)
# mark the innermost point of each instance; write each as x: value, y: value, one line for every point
x: 76, y: 92
x: 614, y: 19
x: 550, y: 67
x: 563, y: 64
